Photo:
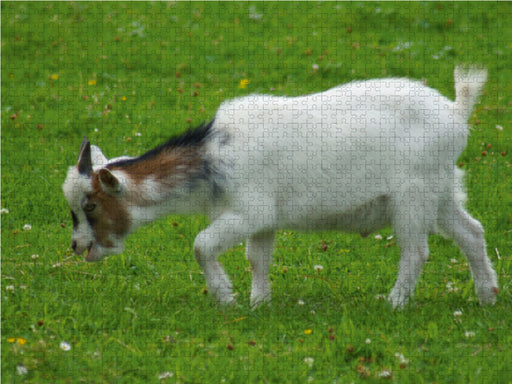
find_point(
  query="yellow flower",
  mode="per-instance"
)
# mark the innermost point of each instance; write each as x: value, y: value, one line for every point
x: 55, y: 76
x: 243, y: 83
x: 308, y: 331
x: 19, y: 340
x: 91, y: 82
x: 123, y: 98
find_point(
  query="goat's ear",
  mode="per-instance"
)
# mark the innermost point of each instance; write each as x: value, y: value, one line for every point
x: 109, y: 183
x: 84, y: 158
x: 98, y: 158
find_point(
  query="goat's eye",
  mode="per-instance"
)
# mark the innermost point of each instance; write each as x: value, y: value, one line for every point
x: 89, y: 208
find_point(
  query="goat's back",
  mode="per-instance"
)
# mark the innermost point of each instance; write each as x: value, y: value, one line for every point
x: 339, y: 149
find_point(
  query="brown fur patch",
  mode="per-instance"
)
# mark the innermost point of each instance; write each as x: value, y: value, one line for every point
x: 164, y: 167
x: 110, y: 216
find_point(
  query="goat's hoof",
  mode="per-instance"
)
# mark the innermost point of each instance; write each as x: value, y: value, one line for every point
x: 487, y: 291
x: 255, y: 304
x: 397, y: 300
x: 488, y: 297
x: 228, y: 301
x: 225, y: 300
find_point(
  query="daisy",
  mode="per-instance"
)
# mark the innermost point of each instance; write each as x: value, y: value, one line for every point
x: 65, y: 346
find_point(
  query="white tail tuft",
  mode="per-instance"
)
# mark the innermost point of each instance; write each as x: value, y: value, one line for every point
x: 468, y: 85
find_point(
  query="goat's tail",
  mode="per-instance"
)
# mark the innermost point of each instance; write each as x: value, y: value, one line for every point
x: 468, y: 85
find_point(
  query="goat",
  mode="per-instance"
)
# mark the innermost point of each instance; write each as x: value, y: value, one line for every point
x: 356, y: 158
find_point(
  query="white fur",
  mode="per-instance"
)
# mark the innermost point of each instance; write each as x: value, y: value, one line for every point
x: 357, y: 157
x: 75, y: 188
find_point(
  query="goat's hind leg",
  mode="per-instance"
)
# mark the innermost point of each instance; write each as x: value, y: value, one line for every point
x: 468, y: 234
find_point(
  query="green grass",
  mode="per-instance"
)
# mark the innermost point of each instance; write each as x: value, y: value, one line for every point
x: 129, y: 75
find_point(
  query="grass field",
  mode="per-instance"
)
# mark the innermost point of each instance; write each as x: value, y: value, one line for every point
x: 129, y: 75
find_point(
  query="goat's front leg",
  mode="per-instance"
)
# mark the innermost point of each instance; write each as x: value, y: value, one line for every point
x: 224, y: 233
x: 413, y: 255
x: 259, y: 253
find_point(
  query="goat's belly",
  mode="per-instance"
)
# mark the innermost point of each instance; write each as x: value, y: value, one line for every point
x: 364, y: 218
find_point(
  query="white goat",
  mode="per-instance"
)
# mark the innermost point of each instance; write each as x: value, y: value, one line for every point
x: 357, y: 157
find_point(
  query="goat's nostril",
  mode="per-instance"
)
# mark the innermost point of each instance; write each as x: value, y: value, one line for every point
x: 73, y: 245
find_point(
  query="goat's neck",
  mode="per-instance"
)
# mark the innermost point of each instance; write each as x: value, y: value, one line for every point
x: 178, y: 182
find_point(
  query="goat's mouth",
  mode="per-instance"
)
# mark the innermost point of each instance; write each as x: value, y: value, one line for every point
x: 93, y: 253
x: 97, y: 252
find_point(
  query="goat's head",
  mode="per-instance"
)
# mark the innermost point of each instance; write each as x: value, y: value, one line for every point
x: 95, y: 196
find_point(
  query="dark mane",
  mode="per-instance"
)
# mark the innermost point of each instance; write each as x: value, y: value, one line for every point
x: 191, y: 138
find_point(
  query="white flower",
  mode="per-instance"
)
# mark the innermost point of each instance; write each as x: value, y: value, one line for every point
x: 34, y: 257
x: 27, y: 227
x: 454, y: 261
x: 402, y: 46
x: 138, y: 134
x: 378, y: 237
x: 368, y: 341
x: 389, y: 237
x: 4, y: 210
x: 253, y: 14
x: 300, y: 302
x: 469, y: 334
x: 385, y: 374
x: 65, y: 346
x: 9, y: 288
x: 457, y: 313
x: 21, y: 369
x: 165, y: 375
x: 450, y: 287
x: 315, y: 68
x: 309, y: 361
x: 401, y: 358
x: 318, y: 267
x: 499, y: 127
